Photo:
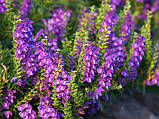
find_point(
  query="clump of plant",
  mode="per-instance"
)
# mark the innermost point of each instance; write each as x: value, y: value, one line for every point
x: 57, y: 76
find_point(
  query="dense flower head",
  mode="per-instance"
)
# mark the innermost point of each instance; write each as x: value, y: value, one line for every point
x: 113, y: 58
x: 50, y: 62
x: 26, y: 111
x: 113, y: 54
x: 86, y: 24
x: 106, y: 29
x: 138, y: 52
x: 25, y: 8
x: 105, y: 72
x: 44, y: 61
x: 58, y: 21
x: 62, y: 89
x: 24, y: 41
x: 108, y: 22
x: 116, y: 49
x: 89, y: 16
x: 8, y: 99
x: 46, y: 111
x: 126, y: 27
x: 61, y: 79
x: 2, y: 6
x: 91, y: 58
x: 134, y: 62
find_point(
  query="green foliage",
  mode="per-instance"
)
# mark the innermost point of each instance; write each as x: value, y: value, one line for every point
x: 99, y: 19
x: 146, y: 33
x: 102, y: 11
x: 67, y: 110
x: 121, y: 16
x: 154, y: 60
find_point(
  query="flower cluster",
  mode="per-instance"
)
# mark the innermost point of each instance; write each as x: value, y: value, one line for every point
x: 134, y: 62
x: 26, y: 111
x: 91, y: 58
x: 44, y: 62
x: 113, y: 54
x: 62, y: 89
x: 8, y: 99
x: 25, y: 8
x: 62, y: 79
x: 88, y: 15
x: 105, y: 30
x: 126, y: 27
x: 86, y: 29
x: 58, y: 22
x: 23, y: 37
x: 115, y: 48
x: 105, y: 75
x: 2, y: 6
x: 45, y: 109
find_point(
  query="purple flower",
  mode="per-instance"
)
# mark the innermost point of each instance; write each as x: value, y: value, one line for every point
x: 8, y: 99
x: 116, y: 49
x: 26, y: 111
x: 106, y: 30
x: 91, y: 58
x: 7, y: 114
x: 44, y: 60
x: 57, y: 23
x: 2, y: 6
x: 25, y: 8
x: 13, y: 79
x: 126, y: 27
x: 152, y: 5
x: 115, y: 3
x: 105, y: 72
x: 62, y: 89
x: 46, y: 111
x: 23, y: 37
x: 113, y: 54
x: 134, y: 62
x: 88, y: 16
